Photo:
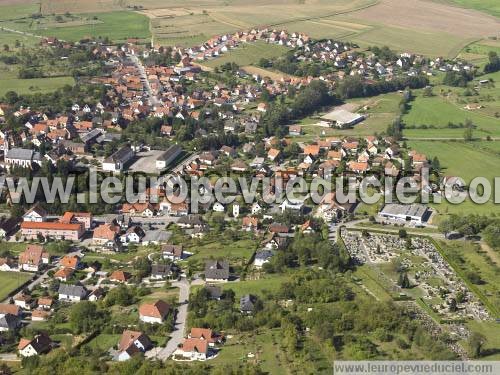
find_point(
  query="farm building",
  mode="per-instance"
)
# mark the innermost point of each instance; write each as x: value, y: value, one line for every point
x: 341, y: 118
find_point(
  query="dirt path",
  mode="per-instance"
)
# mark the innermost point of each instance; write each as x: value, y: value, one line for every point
x: 495, y: 257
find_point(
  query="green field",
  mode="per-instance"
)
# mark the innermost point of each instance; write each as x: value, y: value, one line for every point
x: 488, y: 6
x: 248, y: 54
x: 35, y: 85
x: 438, y: 112
x: 79, y: 26
x: 479, y: 262
x: 10, y: 281
x: 257, y: 287
x: 466, y: 161
x: 233, y: 250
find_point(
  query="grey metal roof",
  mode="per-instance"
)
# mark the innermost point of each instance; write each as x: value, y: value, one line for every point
x: 20, y: 153
x: 72, y: 290
x: 218, y: 269
x: 412, y: 210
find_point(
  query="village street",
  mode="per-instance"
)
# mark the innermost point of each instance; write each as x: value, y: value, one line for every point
x: 177, y: 335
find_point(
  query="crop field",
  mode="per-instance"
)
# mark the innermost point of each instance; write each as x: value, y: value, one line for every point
x: 10, y: 281
x: 74, y: 26
x: 488, y: 6
x: 248, y: 54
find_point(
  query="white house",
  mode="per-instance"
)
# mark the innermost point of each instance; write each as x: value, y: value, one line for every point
x: 218, y: 207
x: 154, y: 312
x: 72, y: 293
x: 40, y: 344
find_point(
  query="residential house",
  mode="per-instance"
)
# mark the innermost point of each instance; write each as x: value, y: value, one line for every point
x: 247, y: 304
x: 216, y: 271
x: 172, y: 252
x: 64, y: 274
x: 8, y: 264
x: 40, y: 344
x: 154, y: 312
x: 35, y: 214
x: 9, y: 323
x: 32, y: 258
x: 105, y: 234
x: 72, y: 293
x: 96, y: 294
x: 45, y: 303
x: 262, y: 257
x: 132, y: 342
x: 120, y: 276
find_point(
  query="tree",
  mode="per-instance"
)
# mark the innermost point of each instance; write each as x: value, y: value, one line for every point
x: 403, y: 281
x: 453, y: 305
x: 428, y: 91
x: 476, y: 343
x: 6, y: 48
x: 492, y: 235
x: 85, y: 317
x: 493, y: 64
x: 403, y: 233
x: 435, y: 164
x: 468, y: 134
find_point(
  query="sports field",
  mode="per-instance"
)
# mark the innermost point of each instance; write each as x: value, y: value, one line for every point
x: 10, y: 281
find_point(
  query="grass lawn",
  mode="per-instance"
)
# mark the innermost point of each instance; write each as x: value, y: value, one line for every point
x: 35, y: 85
x: 491, y: 331
x: 271, y: 283
x: 225, y: 248
x: 14, y: 247
x: 263, y: 344
x: 466, y: 161
x: 479, y: 262
x: 369, y: 278
x: 248, y: 54
x: 438, y: 111
x: 170, y: 295
x: 103, y: 341
x: 10, y: 281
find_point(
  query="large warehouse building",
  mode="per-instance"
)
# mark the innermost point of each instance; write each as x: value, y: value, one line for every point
x: 413, y: 213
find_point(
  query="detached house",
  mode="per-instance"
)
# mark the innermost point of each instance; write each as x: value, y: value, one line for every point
x: 32, y: 258
x: 40, y: 344
x: 72, y: 293
x: 35, y: 214
x: 216, y: 271
x: 172, y: 252
x: 132, y: 342
x: 154, y: 312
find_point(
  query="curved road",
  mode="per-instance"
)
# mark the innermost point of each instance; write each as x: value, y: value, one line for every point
x: 177, y: 335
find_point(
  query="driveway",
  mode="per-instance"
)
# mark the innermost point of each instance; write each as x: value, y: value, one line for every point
x: 177, y: 335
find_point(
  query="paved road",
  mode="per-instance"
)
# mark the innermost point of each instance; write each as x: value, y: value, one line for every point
x: 180, y: 324
x: 144, y: 78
